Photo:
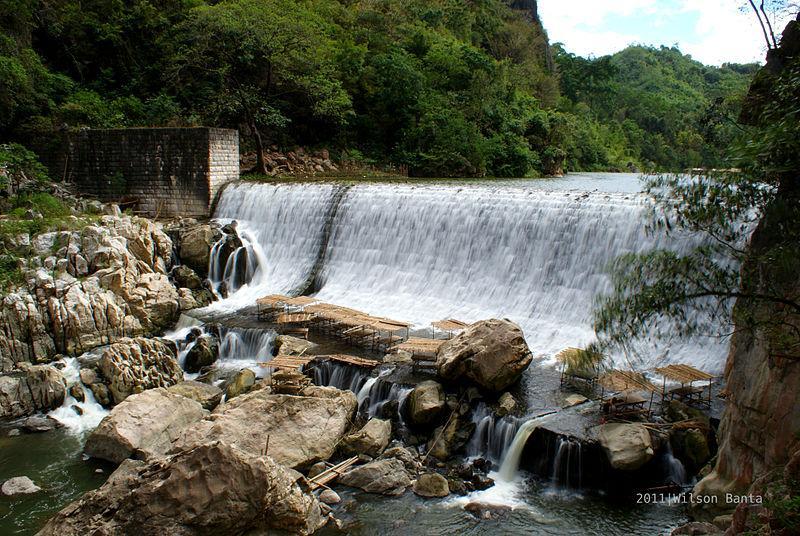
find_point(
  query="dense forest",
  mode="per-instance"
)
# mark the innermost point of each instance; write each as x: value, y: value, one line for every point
x: 442, y: 87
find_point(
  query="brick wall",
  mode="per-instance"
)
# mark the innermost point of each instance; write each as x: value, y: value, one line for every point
x: 165, y: 171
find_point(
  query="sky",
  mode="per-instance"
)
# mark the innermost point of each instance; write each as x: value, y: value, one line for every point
x: 711, y: 31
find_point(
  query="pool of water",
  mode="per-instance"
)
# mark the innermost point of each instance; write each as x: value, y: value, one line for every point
x: 528, y: 507
x: 54, y: 462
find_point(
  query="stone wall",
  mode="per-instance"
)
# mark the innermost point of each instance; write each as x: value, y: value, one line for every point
x: 162, y: 172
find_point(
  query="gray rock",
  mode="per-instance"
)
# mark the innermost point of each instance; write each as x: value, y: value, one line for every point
x: 302, y: 430
x: 209, y: 396
x: 628, y: 446
x: 29, y: 389
x: 19, y: 485
x: 431, y: 485
x: 506, y: 405
x: 288, y: 345
x: 241, y: 383
x: 195, y: 249
x: 131, y: 366
x: 491, y: 353
x: 426, y: 403
x: 371, y: 440
x: 385, y: 476
x: 329, y: 496
x: 39, y: 424
x: 214, y: 488
x: 142, y: 426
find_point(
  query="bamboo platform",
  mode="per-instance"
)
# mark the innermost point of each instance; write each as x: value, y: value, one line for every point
x: 329, y: 475
x: 419, y: 347
x: 349, y: 360
x: 289, y: 362
x: 449, y: 326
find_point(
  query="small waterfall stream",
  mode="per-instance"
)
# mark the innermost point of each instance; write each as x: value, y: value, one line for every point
x: 508, y: 470
x: 493, y: 435
x: 567, y: 464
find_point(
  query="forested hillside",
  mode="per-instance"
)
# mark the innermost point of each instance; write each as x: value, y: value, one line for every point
x: 444, y: 87
x: 655, y: 108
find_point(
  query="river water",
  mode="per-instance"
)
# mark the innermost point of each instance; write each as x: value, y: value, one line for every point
x: 535, y: 251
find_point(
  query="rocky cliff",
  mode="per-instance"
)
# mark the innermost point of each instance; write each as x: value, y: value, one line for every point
x: 760, y: 429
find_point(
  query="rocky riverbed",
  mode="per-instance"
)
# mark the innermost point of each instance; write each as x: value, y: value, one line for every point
x: 191, y: 425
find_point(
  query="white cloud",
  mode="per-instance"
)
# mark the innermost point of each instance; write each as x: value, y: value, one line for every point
x: 718, y: 30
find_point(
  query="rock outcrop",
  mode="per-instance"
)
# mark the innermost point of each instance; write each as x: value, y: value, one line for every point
x: 214, y: 488
x: 760, y: 429
x: 208, y: 396
x: 302, y: 430
x: 426, y: 403
x: 143, y: 426
x: 491, y: 353
x: 288, y: 345
x: 371, y: 440
x: 385, y: 476
x: 87, y: 288
x: 431, y: 485
x: 196, y: 242
x: 134, y: 365
x: 628, y: 446
x: 30, y: 389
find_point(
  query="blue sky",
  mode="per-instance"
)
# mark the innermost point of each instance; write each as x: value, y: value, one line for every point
x: 712, y: 31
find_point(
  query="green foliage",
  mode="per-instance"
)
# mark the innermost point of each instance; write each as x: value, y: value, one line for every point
x: 20, y: 168
x: 655, y: 108
x: 750, y: 224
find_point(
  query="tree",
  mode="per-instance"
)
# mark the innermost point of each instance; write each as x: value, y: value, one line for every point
x: 261, y: 64
x: 749, y: 221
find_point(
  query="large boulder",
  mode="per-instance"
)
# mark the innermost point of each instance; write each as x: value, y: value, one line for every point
x: 492, y: 354
x: 628, y: 446
x: 371, y: 440
x: 385, y: 476
x: 208, y: 396
x: 203, y: 353
x: 431, y: 485
x: 214, y: 488
x: 87, y: 288
x: 242, y: 382
x: 30, y: 389
x: 449, y: 439
x: 131, y: 366
x: 288, y: 345
x: 302, y: 430
x: 195, y: 249
x: 426, y: 403
x: 143, y: 425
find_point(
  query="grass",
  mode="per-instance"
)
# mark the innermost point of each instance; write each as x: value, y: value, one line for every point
x: 55, y: 216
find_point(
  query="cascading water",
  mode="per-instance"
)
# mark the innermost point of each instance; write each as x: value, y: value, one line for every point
x: 673, y: 468
x: 508, y: 469
x: 493, y: 435
x: 89, y: 412
x: 567, y: 464
x: 283, y: 228
x: 372, y: 393
x: 231, y: 273
x: 422, y: 253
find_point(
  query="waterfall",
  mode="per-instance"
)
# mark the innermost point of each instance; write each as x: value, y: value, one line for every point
x: 492, y: 436
x: 239, y: 268
x: 284, y: 227
x: 511, y: 461
x: 90, y: 411
x: 521, y: 250
x: 245, y: 348
x: 567, y: 464
x: 372, y: 393
x: 673, y: 468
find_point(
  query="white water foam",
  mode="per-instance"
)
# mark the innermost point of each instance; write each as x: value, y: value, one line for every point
x: 91, y: 411
x: 422, y: 253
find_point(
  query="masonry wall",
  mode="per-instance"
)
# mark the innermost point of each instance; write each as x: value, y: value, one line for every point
x: 164, y: 172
